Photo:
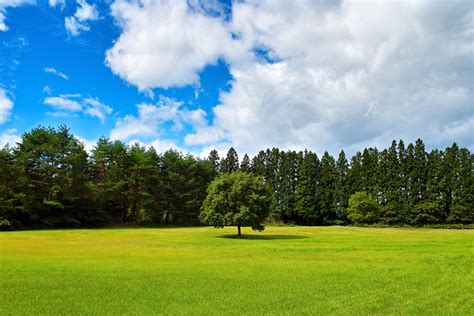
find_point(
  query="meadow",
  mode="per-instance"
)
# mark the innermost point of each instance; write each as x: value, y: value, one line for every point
x: 197, y: 271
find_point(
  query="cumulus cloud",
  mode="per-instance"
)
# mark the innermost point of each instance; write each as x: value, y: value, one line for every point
x: 166, y: 43
x: 316, y: 74
x: 151, y: 117
x: 9, y: 137
x: 6, y: 106
x: 69, y: 104
x: 56, y: 72
x: 348, y: 75
x: 4, y: 4
x: 80, y: 21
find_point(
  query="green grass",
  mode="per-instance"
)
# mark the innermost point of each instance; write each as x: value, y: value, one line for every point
x: 193, y: 271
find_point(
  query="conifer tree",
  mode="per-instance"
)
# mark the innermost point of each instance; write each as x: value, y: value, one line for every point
x: 341, y: 192
x: 327, y: 184
x: 245, y: 165
x: 307, y: 199
x: 230, y: 163
x: 214, y: 160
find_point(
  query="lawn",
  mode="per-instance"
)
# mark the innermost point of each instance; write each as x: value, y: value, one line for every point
x: 194, y: 271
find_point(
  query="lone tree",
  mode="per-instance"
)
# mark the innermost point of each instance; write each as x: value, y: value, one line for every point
x: 363, y: 208
x: 236, y: 199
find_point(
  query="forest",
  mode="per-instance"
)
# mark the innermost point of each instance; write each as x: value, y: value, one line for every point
x: 48, y: 179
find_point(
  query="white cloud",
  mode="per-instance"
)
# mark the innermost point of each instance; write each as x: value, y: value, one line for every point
x: 88, y: 144
x: 160, y: 145
x: 6, y: 106
x: 80, y: 21
x: 358, y: 74
x: 56, y: 72
x: 9, y: 137
x: 166, y: 43
x: 74, y: 26
x: 3, y: 26
x: 54, y: 3
x: 316, y: 74
x: 86, y: 12
x: 205, y: 135
x: 47, y: 90
x: 63, y: 102
x: 66, y: 104
x: 97, y: 109
x: 4, y: 4
x: 151, y: 117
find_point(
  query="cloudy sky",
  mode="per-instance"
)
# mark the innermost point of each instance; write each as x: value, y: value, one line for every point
x: 196, y: 75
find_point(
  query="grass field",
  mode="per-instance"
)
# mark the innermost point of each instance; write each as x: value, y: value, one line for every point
x: 192, y: 271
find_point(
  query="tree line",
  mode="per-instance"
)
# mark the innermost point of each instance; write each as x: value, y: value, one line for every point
x: 48, y: 179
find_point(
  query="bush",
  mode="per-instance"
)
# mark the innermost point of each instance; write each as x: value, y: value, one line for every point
x: 389, y: 214
x: 460, y: 214
x: 5, y: 224
x: 425, y: 213
x: 363, y: 208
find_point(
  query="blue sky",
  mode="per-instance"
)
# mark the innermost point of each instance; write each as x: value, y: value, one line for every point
x: 195, y: 75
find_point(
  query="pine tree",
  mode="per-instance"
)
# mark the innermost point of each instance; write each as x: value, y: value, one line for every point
x: 245, y: 165
x: 461, y: 210
x: 286, y: 189
x: 230, y: 163
x: 341, y: 192
x: 307, y: 200
x: 7, y: 210
x: 327, y: 184
x: 451, y: 170
x: 354, y: 176
x: 419, y: 173
x: 214, y: 160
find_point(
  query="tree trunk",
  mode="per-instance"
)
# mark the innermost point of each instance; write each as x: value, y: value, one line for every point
x: 239, y: 234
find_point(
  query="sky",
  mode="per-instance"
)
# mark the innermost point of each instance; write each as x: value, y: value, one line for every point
x: 197, y: 75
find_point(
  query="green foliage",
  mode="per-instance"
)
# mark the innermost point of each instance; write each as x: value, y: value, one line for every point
x: 5, y: 224
x: 425, y: 213
x: 49, y: 180
x: 363, y: 208
x: 389, y: 214
x: 307, y: 193
x: 461, y: 214
x: 230, y: 163
x: 236, y: 199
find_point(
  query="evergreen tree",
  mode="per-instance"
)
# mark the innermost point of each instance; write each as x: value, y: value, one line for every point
x: 419, y: 176
x: 327, y: 185
x: 245, y: 165
x: 307, y: 200
x: 230, y: 163
x: 285, y: 192
x: 341, y: 192
x: 451, y: 170
x: 354, y: 176
x: 7, y: 209
x: 48, y: 179
x: 214, y: 160
x: 461, y: 210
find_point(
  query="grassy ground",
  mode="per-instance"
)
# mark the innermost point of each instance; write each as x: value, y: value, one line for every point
x: 192, y: 271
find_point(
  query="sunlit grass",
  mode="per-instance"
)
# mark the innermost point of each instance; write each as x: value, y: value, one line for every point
x: 284, y: 270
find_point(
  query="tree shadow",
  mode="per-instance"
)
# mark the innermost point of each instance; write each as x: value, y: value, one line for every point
x: 262, y: 237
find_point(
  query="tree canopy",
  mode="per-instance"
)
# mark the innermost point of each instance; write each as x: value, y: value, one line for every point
x: 236, y: 199
x: 49, y: 179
